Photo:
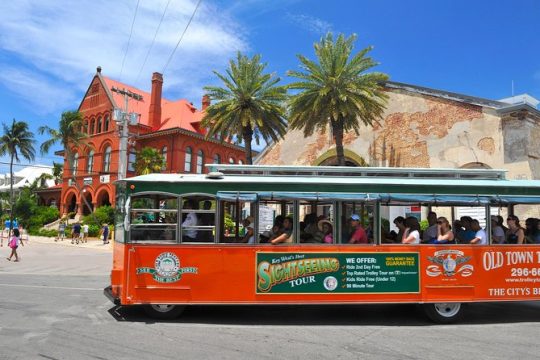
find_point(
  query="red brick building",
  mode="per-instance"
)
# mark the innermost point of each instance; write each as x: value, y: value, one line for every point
x: 172, y: 127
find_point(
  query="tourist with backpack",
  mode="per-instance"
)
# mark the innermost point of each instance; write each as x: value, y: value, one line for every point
x: 14, y: 244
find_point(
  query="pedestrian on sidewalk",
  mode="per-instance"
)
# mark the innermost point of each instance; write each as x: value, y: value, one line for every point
x: 7, y: 225
x: 85, y: 229
x: 61, y: 231
x: 14, y: 244
x: 75, y: 233
x: 105, y: 233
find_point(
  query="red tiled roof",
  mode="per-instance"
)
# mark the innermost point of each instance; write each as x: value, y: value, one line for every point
x: 174, y: 114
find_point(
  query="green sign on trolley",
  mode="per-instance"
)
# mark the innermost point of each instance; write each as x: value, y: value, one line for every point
x: 315, y: 273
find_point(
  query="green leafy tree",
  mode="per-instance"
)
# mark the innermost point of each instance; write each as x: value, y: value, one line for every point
x: 149, y: 160
x: 336, y: 91
x: 70, y: 134
x: 58, y: 172
x: 16, y: 142
x: 250, y: 105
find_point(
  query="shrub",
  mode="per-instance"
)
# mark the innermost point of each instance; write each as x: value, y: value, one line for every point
x: 93, y: 230
x: 424, y: 225
x: 103, y: 214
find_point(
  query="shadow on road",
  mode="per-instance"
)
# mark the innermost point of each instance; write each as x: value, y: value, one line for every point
x: 345, y: 315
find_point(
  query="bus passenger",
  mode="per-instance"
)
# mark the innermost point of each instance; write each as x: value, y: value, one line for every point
x: 444, y: 232
x: 497, y: 232
x: 325, y: 227
x: 532, y: 232
x: 480, y: 237
x: 359, y: 235
x: 286, y: 236
x: 431, y: 233
x: 189, y: 235
x: 311, y: 232
x: 465, y: 234
x: 515, y: 233
x: 247, y: 223
x: 412, y: 231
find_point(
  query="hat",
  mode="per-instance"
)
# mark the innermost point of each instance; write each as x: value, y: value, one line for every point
x: 250, y: 226
x: 321, y: 222
x: 355, y: 217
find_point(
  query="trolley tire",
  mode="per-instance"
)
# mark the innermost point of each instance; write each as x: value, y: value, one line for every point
x: 164, y: 311
x: 444, y: 313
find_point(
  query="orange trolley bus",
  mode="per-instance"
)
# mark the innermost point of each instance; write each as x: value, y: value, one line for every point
x: 323, y: 235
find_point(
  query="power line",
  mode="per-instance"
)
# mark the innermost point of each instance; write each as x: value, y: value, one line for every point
x: 181, y: 36
x: 129, y: 39
x: 153, y: 40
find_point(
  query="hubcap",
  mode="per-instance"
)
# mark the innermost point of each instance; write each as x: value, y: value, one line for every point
x: 162, y: 308
x: 447, y: 309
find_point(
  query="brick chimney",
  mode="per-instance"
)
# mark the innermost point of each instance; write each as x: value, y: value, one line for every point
x: 154, y: 113
x: 205, y: 102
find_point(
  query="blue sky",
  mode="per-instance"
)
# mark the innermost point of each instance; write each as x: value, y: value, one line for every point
x: 49, y: 49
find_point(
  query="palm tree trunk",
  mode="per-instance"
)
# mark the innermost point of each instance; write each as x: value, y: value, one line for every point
x: 247, y: 135
x: 337, y: 129
x: 11, y: 196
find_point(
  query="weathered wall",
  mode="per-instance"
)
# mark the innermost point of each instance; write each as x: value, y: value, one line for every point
x: 426, y: 131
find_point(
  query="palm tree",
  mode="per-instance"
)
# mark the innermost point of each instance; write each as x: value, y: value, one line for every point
x: 336, y: 91
x: 148, y: 161
x: 17, y: 140
x: 249, y: 106
x: 70, y: 133
x: 58, y: 172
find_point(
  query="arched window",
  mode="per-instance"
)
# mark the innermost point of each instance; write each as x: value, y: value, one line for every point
x: 106, y: 123
x: 187, y: 162
x: 164, y: 154
x: 231, y: 160
x: 75, y: 163
x: 107, y: 159
x: 200, y: 161
x: 90, y: 163
x: 91, y: 127
x: 217, y: 159
x: 98, y: 125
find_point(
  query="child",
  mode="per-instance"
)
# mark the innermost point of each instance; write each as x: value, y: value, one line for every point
x: 14, y: 244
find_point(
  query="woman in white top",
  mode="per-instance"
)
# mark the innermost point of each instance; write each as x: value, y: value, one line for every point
x: 412, y: 231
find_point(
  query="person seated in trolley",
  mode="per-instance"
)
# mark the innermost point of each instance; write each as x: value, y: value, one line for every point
x: 311, y: 232
x: 445, y: 235
x: 326, y: 228
x: 463, y: 230
x: 189, y: 235
x: 532, y: 231
x: 497, y: 232
x: 515, y: 233
x: 480, y: 237
x: 358, y: 235
x: 286, y: 236
x: 412, y: 231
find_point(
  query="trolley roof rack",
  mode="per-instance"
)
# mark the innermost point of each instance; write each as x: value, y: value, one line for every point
x: 346, y: 171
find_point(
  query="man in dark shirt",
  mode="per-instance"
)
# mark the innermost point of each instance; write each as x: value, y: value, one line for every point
x: 75, y: 233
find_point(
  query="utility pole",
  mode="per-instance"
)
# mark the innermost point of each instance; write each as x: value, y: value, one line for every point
x: 123, y: 118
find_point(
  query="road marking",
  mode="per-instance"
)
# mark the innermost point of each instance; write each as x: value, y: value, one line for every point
x: 51, y: 287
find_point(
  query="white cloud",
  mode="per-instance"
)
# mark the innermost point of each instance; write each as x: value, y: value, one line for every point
x: 310, y: 23
x: 59, y: 43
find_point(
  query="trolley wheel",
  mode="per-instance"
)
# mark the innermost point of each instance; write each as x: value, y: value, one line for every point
x: 164, y: 311
x: 444, y: 313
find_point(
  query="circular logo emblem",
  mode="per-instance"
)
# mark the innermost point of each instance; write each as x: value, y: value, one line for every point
x: 330, y: 283
x: 167, y: 264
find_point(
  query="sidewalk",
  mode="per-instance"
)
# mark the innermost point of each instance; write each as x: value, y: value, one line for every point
x: 93, y: 243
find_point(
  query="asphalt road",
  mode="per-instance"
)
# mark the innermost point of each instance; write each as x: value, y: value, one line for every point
x: 52, y: 307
